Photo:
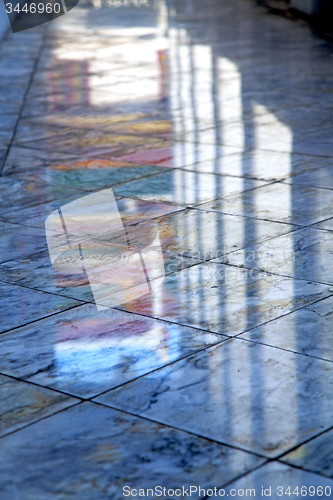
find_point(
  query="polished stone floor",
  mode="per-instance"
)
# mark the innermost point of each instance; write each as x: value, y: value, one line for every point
x: 211, y: 122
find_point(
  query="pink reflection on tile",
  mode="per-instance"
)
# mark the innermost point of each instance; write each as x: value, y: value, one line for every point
x: 149, y: 156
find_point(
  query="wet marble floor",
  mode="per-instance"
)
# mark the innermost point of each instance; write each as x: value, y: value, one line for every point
x: 165, y: 254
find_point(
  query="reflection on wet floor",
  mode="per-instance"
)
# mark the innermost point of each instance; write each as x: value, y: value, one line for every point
x: 165, y: 252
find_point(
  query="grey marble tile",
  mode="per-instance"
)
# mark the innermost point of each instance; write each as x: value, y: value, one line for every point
x: 274, y: 479
x: 325, y: 224
x: 315, y: 455
x: 85, y: 352
x: 23, y: 403
x: 131, y: 210
x: 265, y: 165
x: 36, y: 271
x: 186, y: 188
x: 256, y: 397
x: 87, y: 175
x: 321, y: 178
x: 306, y: 331
x: 29, y: 131
x: 95, y: 142
x: 21, y: 305
x: 305, y: 253
x: 207, y: 235
x: 17, y: 241
x: 23, y: 160
x: 282, y: 202
x: 16, y: 195
x: 225, y: 299
x: 104, y: 450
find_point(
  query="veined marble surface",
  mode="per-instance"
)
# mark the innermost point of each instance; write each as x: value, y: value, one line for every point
x: 103, y: 450
x: 27, y: 305
x: 281, y: 202
x: 182, y: 187
x: 306, y: 253
x: 307, y: 331
x: 212, y: 123
x: 84, y: 352
x: 22, y: 404
x: 315, y: 455
x: 226, y: 299
x: 261, y: 399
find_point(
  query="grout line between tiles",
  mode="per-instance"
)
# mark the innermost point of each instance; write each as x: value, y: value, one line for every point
x: 32, y: 74
x: 149, y: 419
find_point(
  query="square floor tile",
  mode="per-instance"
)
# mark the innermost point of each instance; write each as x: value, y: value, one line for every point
x: 315, y: 455
x: 306, y: 331
x: 17, y: 195
x: 281, y: 202
x: 85, y: 351
x: 23, y: 403
x: 20, y: 305
x: 185, y: 188
x: 306, y: 253
x: 17, y: 240
x: 259, y: 398
x: 207, y: 235
x: 225, y: 299
x: 265, y: 165
x: 103, y: 450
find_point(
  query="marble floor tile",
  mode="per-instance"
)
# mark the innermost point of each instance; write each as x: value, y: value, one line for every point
x: 186, y: 188
x: 23, y: 160
x: 271, y: 476
x: 104, y: 450
x: 225, y: 299
x: 259, y: 398
x: 17, y: 241
x: 139, y: 124
x: 306, y: 331
x: 281, y: 202
x: 29, y: 131
x: 325, y: 224
x: 265, y: 165
x: 17, y: 195
x: 36, y: 271
x: 186, y: 152
x: 95, y: 142
x: 85, y: 352
x: 21, y: 305
x: 321, y: 178
x: 132, y: 211
x: 212, y: 121
x: 315, y: 455
x: 23, y: 403
x: 208, y: 235
x: 87, y: 175
x: 306, y: 253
